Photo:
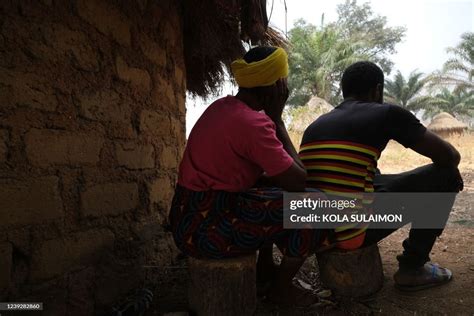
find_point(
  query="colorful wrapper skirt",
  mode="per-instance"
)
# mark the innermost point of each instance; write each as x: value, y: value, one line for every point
x: 220, y: 224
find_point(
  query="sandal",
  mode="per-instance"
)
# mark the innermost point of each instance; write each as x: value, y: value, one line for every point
x: 428, y: 276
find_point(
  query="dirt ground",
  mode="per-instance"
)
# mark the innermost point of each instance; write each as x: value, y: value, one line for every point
x: 454, y: 249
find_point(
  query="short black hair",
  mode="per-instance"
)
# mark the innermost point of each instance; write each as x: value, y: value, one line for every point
x: 359, y: 78
x: 258, y: 53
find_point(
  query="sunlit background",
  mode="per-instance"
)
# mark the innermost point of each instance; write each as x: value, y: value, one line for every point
x: 431, y: 27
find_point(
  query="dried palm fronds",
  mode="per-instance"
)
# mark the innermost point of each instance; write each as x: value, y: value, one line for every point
x: 254, y: 20
x: 211, y: 40
x: 274, y: 37
x: 213, y: 34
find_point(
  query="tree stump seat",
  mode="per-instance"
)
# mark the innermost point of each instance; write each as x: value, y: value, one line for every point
x: 354, y: 273
x: 223, y: 287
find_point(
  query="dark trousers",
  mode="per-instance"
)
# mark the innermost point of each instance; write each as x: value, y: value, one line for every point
x: 429, y: 178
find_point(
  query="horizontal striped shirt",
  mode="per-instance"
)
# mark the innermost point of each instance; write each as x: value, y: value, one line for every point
x: 341, y: 168
x: 341, y: 149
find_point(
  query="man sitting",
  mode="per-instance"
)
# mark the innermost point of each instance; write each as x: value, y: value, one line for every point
x: 340, y: 151
x: 217, y: 212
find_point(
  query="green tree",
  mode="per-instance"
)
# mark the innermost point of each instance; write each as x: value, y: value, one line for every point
x: 459, y: 102
x: 458, y: 71
x: 318, y: 56
x: 407, y: 93
x: 359, y: 23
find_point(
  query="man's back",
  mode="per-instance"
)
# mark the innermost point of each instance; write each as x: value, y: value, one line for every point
x: 351, y: 121
x: 341, y: 148
x: 340, y: 151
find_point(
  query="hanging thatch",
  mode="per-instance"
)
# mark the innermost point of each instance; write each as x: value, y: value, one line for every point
x: 445, y: 124
x: 213, y: 34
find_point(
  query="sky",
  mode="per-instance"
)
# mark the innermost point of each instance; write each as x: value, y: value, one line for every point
x: 432, y: 26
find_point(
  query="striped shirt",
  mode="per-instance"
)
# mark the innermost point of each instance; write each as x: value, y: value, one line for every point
x: 341, y: 148
x: 341, y: 168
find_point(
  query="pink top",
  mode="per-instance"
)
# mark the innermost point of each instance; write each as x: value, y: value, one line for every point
x: 230, y: 147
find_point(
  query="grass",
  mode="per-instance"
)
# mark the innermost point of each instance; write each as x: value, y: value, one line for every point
x: 396, y: 158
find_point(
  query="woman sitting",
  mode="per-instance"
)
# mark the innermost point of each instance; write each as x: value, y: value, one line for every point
x: 218, y: 211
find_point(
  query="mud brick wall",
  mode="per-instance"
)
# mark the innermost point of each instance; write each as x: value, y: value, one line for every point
x: 92, y: 113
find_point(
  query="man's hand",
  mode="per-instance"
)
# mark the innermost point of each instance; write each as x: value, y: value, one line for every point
x: 277, y: 98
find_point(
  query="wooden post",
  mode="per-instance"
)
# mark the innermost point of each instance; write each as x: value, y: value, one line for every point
x: 223, y: 287
x: 354, y: 273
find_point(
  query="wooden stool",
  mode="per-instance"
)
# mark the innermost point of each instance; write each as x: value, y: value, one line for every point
x: 354, y: 273
x: 223, y: 287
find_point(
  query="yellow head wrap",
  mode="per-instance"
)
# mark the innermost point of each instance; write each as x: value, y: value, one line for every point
x: 261, y: 73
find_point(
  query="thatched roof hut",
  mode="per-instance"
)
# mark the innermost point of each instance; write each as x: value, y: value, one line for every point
x: 213, y: 34
x: 445, y: 124
x: 301, y: 117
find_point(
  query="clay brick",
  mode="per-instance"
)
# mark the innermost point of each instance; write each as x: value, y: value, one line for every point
x: 109, y: 199
x: 66, y: 41
x: 51, y: 147
x: 107, y: 19
x: 178, y: 128
x: 57, y: 256
x: 105, y: 105
x: 181, y: 105
x: 168, y: 158
x: 137, y: 77
x: 5, y: 264
x: 25, y: 89
x: 171, y: 24
x: 135, y: 156
x: 179, y: 75
x: 3, y: 145
x: 155, y: 123
x: 30, y: 202
x: 153, y: 50
x: 109, y: 107
x: 161, y: 191
x: 164, y: 91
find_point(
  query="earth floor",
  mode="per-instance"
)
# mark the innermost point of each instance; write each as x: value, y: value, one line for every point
x: 454, y: 249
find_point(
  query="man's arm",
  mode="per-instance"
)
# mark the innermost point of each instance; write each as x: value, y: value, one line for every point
x: 441, y: 152
x: 406, y: 129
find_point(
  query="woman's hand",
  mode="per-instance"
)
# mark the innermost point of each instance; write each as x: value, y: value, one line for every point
x: 278, y: 95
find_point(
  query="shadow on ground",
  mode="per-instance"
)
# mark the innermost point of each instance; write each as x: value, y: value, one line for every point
x: 454, y: 249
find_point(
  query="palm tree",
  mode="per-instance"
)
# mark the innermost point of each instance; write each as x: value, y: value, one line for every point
x: 318, y: 56
x: 459, y: 102
x: 458, y: 71
x: 407, y: 93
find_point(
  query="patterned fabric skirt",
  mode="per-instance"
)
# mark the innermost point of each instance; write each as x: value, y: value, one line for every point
x: 220, y: 224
